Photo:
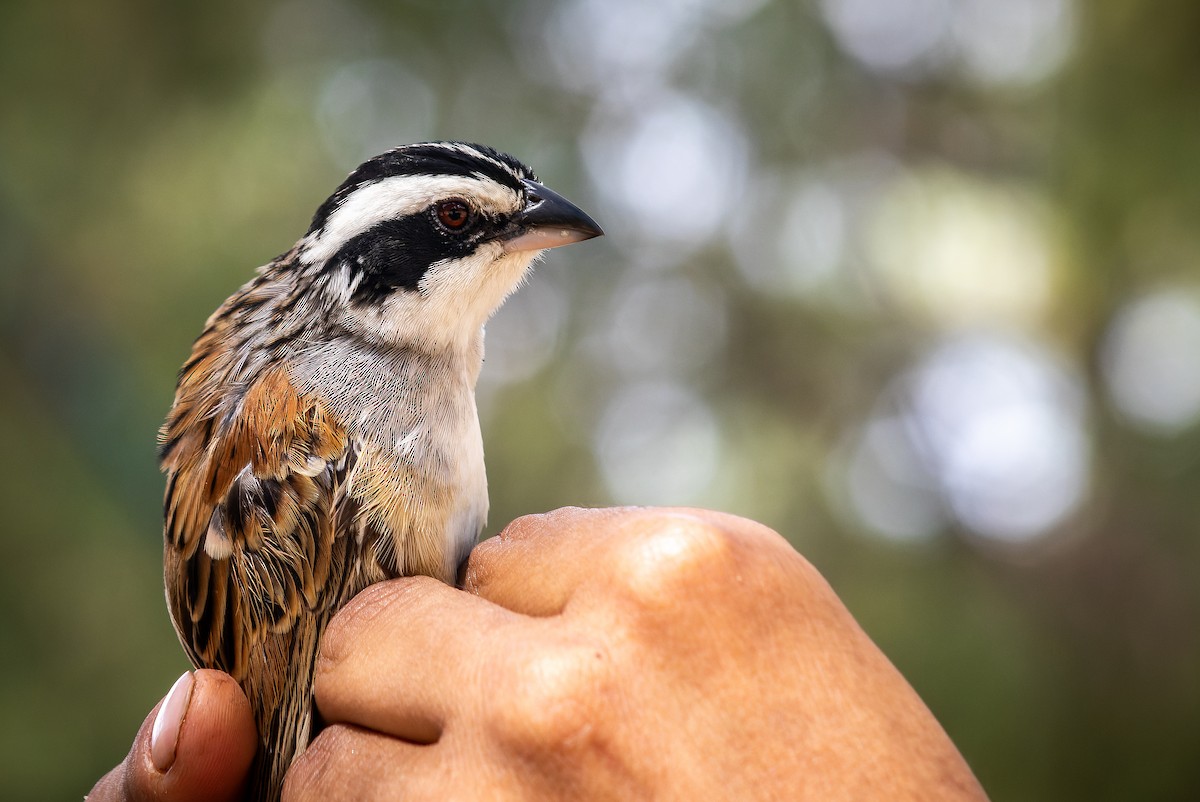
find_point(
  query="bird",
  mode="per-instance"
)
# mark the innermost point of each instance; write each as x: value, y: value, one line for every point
x: 324, y: 433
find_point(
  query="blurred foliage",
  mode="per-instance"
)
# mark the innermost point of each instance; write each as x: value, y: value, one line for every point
x: 152, y: 154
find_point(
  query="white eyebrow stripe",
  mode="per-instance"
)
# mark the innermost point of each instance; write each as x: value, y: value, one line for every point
x: 395, y: 197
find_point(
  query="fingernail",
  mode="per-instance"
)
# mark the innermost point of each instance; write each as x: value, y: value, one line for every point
x: 164, y: 736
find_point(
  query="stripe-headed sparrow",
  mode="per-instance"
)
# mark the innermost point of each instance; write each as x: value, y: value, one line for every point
x: 324, y: 434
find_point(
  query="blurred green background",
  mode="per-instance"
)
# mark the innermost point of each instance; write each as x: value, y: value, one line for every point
x: 912, y: 281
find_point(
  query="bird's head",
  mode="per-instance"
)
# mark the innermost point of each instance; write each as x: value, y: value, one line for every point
x: 421, y: 244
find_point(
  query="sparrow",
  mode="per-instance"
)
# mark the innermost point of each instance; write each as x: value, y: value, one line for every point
x: 324, y: 433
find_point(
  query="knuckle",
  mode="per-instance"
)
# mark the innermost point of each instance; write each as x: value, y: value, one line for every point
x: 488, y: 560
x: 538, y: 525
x: 674, y: 556
x: 524, y: 528
x: 553, y: 699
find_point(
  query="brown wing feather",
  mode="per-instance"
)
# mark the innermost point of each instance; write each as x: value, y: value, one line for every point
x: 255, y: 538
x: 249, y: 516
x: 263, y: 537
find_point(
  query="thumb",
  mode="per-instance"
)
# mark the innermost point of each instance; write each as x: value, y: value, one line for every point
x: 197, y: 744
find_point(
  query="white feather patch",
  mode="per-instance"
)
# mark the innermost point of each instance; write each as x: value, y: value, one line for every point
x: 217, y: 544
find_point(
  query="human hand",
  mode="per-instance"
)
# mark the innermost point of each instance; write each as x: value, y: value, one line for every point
x: 619, y: 654
x: 196, y: 744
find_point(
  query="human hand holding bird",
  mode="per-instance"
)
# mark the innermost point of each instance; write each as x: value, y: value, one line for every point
x: 594, y: 654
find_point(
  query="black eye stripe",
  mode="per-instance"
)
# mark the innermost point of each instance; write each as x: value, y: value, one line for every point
x: 396, y: 254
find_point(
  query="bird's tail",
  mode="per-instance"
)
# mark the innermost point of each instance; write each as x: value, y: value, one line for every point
x: 285, y: 711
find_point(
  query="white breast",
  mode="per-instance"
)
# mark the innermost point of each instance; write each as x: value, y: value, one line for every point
x: 422, y: 409
x: 470, y: 512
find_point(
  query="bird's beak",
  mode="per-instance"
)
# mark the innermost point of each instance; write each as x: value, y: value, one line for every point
x: 547, y: 221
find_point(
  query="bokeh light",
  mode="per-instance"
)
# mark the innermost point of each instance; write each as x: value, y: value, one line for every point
x: 1151, y: 361
x: 620, y: 49
x: 1002, y: 424
x: 984, y: 429
x: 890, y: 34
x: 803, y: 252
x: 674, y: 169
x: 883, y: 480
x: 957, y: 251
x: 1012, y: 43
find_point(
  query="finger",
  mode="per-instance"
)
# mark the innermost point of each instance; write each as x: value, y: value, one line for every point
x: 351, y: 763
x: 404, y: 656
x: 537, y: 562
x: 540, y: 563
x: 197, y: 744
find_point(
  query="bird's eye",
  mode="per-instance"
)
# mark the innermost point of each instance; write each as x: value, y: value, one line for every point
x: 454, y: 214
